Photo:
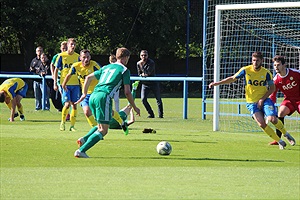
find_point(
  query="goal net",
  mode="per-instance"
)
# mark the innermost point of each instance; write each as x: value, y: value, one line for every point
x: 233, y: 33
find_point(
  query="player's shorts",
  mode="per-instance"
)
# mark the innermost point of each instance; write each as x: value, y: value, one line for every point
x: 85, y: 101
x: 101, y: 106
x: 268, y: 109
x: 113, y: 124
x: 22, y: 92
x: 292, y: 105
x: 73, y: 93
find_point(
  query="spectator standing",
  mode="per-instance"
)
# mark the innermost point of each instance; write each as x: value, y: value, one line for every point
x: 146, y: 68
x: 37, y: 67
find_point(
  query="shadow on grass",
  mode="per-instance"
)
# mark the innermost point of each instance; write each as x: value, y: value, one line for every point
x: 42, y: 120
x: 157, y: 140
x: 193, y: 159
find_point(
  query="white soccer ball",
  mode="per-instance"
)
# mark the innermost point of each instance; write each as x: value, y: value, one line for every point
x: 164, y: 148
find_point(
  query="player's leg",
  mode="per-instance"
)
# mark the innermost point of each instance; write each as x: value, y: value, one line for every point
x: 97, y: 104
x: 37, y: 95
x: 83, y: 139
x: 283, y: 111
x: 20, y: 107
x: 287, y: 108
x: 74, y: 95
x: 156, y: 91
x: 122, y: 123
x: 134, y: 88
x: 144, y: 97
x: 87, y: 111
x: 270, y: 112
x: 117, y: 101
x: 258, y: 116
x: 21, y: 94
x: 117, y: 117
x: 65, y: 110
x: 73, y: 116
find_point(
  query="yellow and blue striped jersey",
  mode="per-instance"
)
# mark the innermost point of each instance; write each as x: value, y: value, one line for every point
x: 256, y: 82
x: 64, y: 62
x: 82, y: 72
x: 11, y: 86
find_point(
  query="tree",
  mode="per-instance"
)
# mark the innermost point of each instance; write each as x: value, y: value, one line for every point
x: 99, y: 25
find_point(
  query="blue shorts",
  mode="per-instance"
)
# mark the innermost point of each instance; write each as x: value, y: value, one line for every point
x: 73, y: 93
x: 85, y: 101
x: 268, y: 109
x: 22, y: 92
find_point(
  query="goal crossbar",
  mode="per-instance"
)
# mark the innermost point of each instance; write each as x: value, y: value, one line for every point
x: 257, y: 6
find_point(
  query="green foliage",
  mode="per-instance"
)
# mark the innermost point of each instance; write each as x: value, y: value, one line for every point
x: 37, y: 160
x: 101, y: 26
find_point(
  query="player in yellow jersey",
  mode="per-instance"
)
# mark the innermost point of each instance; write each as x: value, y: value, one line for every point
x: 63, y: 64
x: 82, y: 69
x: 11, y: 92
x: 258, y: 87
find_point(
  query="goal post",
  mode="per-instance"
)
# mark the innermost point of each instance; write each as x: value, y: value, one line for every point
x: 241, y: 29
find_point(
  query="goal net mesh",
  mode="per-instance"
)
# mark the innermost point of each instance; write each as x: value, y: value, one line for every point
x: 273, y: 31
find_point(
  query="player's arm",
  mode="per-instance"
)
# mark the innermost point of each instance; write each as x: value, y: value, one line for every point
x: 274, y: 94
x: 270, y: 90
x: 52, y: 68
x: 67, y: 78
x: 86, y: 85
x: 132, y: 118
x: 55, y: 87
x: 13, y: 109
x: 127, y: 92
x: 227, y: 80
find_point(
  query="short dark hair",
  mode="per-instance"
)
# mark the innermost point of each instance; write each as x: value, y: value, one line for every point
x: 85, y: 51
x: 279, y: 59
x: 258, y: 54
x: 2, y: 97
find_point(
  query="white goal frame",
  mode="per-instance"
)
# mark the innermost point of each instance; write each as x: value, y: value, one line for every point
x: 217, y: 47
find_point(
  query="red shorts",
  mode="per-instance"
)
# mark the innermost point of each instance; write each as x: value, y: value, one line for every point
x: 292, y: 105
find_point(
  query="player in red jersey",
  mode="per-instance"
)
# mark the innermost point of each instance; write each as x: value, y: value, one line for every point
x: 287, y: 80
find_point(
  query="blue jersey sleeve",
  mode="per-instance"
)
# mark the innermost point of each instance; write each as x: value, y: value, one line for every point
x: 269, y: 79
x: 58, y: 63
x: 240, y: 74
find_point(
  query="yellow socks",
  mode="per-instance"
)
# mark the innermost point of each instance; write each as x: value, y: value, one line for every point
x: 280, y: 127
x: 269, y: 131
x: 73, y: 116
x: 117, y: 117
x: 91, y: 120
x: 64, y: 113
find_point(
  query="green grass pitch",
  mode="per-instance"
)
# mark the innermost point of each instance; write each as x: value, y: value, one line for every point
x: 37, y: 159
